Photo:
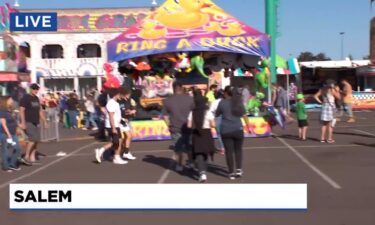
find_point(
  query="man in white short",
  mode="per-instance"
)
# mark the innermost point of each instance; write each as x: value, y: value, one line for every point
x: 112, y: 124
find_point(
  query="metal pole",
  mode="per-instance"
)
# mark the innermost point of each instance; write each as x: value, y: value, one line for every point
x: 288, y: 92
x: 342, y: 44
x: 271, y: 21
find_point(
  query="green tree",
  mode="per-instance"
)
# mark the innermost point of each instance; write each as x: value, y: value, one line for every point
x: 308, y: 56
x: 305, y: 57
x: 322, y: 57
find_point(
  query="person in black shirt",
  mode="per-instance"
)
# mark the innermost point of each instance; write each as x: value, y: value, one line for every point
x: 72, y: 105
x: 128, y: 111
x: 31, y: 113
x: 101, y: 112
x: 11, y: 150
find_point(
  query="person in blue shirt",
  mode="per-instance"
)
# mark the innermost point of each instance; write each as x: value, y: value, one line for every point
x: 10, y: 148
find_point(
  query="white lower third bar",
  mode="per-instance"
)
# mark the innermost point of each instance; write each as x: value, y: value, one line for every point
x: 159, y: 196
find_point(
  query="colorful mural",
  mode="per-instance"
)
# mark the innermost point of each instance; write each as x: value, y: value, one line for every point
x: 97, y: 20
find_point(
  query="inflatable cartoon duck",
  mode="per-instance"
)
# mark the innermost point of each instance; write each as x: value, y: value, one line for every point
x: 230, y: 29
x: 149, y: 30
x: 186, y: 15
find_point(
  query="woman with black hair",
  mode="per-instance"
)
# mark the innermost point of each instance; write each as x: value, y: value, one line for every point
x: 201, y: 120
x: 232, y: 110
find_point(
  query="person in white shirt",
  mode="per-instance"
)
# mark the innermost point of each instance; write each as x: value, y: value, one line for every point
x: 201, y: 120
x: 90, y: 110
x: 213, y: 107
x: 112, y: 124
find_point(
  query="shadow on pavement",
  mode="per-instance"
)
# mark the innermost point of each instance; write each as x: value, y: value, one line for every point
x: 168, y: 163
x: 295, y: 137
x: 217, y: 170
x: 363, y: 144
x: 354, y: 134
x: 163, y: 162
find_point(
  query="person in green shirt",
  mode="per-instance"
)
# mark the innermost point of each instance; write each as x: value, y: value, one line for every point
x: 301, y: 117
x: 210, y: 95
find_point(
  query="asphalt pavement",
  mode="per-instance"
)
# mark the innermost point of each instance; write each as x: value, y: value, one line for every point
x: 340, y: 178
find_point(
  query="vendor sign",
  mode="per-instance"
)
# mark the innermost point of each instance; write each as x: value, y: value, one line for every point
x: 364, y: 100
x: 157, y: 129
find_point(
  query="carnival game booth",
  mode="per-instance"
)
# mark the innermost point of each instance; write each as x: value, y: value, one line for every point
x: 364, y: 98
x: 193, y: 42
x: 359, y: 74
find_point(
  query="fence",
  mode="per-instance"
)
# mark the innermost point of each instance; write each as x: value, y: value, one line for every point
x: 51, y: 133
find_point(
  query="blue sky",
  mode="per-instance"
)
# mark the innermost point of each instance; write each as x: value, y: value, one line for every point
x: 304, y: 25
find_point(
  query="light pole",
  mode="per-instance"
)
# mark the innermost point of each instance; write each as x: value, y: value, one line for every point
x: 16, y: 4
x: 342, y: 44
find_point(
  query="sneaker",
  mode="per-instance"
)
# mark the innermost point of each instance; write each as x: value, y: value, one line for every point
x: 129, y: 156
x: 239, y: 173
x: 330, y: 141
x: 98, y: 155
x: 202, y: 178
x: 95, y: 128
x: 15, y: 168
x: 119, y: 161
x: 179, y: 168
x: 322, y: 141
x: 220, y: 151
x: 26, y: 162
x: 40, y: 155
x: 84, y: 128
x: 232, y: 176
x: 8, y: 170
x: 190, y: 165
x: 351, y: 120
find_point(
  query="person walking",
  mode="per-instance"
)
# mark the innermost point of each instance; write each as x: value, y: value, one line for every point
x: 280, y: 100
x: 31, y: 114
x: 63, y: 107
x: 231, y: 109
x: 176, y: 109
x: 51, y: 107
x: 347, y: 100
x: 112, y: 124
x: 101, y: 112
x: 128, y: 111
x: 213, y: 107
x: 301, y: 117
x: 10, y: 147
x: 210, y: 95
x: 90, y: 113
x: 201, y: 120
x: 326, y: 96
x: 72, y: 106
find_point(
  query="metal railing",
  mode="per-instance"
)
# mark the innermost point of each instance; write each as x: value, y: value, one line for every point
x: 51, y: 132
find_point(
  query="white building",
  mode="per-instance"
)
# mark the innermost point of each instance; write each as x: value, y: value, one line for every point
x: 72, y: 58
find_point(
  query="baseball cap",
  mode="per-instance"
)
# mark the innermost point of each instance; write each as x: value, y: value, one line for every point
x: 300, y: 96
x: 34, y: 86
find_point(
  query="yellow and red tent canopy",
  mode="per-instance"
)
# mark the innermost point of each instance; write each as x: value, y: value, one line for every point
x: 188, y: 25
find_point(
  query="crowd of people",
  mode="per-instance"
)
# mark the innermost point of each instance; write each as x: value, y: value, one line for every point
x: 189, y: 114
